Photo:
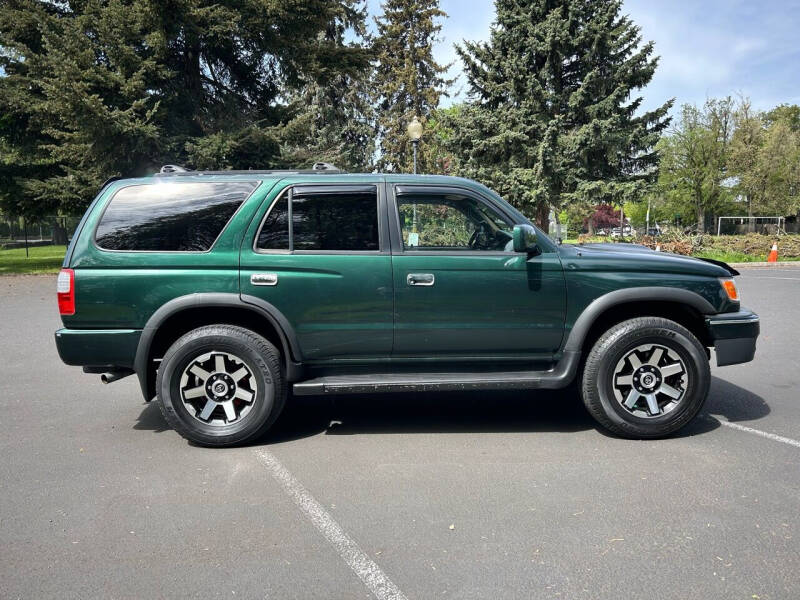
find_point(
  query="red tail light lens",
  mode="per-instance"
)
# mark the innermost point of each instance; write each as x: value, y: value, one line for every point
x: 66, y: 292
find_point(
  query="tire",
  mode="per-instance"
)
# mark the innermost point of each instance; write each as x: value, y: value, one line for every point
x: 659, y: 396
x: 221, y: 385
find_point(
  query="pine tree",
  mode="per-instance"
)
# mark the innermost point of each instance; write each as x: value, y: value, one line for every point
x: 333, y: 119
x: 552, y: 119
x: 94, y: 89
x: 408, y: 81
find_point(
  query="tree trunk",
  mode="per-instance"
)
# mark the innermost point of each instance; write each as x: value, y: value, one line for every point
x: 543, y: 216
x: 59, y: 234
x: 701, y: 219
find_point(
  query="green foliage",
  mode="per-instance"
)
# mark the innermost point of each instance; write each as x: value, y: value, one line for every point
x: 553, y: 114
x: 334, y: 119
x: 436, y: 225
x: 95, y: 88
x: 694, y: 160
x: 408, y: 81
x: 765, y: 159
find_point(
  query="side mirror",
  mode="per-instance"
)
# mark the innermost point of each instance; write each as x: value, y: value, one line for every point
x: 524, y: 238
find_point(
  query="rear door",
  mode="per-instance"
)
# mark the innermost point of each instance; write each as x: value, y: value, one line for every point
x: 460, y: 289
x: 319, y: 253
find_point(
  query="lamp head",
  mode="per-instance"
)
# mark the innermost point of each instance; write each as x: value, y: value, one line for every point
x: 414, y: 129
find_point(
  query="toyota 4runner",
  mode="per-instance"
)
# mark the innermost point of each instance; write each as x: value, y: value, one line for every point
x: 224, y: 291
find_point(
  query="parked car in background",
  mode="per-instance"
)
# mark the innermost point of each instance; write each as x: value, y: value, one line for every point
x: 626, y: 231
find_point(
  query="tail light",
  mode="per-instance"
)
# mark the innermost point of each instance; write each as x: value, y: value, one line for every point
x: 66, y: 292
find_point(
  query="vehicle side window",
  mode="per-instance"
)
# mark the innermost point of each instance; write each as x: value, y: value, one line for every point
x: 170, y: 217
x: 323, y: 218
x: 274, y: 234
x: 451, y: 222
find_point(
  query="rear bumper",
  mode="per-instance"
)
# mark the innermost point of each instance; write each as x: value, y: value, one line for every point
x: 98, y: 347
x: 734, y: 336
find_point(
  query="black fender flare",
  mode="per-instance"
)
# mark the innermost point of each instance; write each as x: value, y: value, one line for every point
x: 288, y: 338
x: 598, y: 306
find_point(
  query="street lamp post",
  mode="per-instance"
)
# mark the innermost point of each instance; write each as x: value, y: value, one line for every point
x: 414, y: 134
x: 414, y: 130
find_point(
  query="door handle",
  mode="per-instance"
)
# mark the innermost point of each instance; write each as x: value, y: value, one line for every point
x: 425, y: 279
x: 264, y: 279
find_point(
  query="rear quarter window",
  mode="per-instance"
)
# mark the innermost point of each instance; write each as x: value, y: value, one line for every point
x: 170, y: 217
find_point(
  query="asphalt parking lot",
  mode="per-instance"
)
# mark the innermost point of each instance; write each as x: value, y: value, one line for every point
x: 478, y: 495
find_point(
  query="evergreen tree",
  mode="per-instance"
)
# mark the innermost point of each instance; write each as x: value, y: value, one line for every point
x: 96, y: 88
x: 552, y: 118
x: 408, y: 81
x: 333, y: 118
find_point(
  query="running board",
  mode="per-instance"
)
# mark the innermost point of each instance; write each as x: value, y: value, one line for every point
x: 558, y: 377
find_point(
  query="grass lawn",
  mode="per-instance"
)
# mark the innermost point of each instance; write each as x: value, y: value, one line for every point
x: 42, y: 259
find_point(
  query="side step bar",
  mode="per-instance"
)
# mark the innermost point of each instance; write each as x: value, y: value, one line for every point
x: 558, y: 377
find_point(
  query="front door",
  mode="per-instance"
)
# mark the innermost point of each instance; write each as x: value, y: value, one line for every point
x: 319, y: 254
x: 460, y: 289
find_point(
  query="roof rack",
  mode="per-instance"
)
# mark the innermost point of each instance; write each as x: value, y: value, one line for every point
x: 318, y: 169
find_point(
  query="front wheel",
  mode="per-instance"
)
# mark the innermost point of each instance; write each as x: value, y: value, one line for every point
x: 645, y: 378
x: 221, y: 385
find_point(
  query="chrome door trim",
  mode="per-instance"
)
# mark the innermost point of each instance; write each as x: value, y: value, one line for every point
x: 420, y: 279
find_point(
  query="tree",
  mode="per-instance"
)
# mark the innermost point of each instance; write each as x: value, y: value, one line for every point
x: 746, y: 145
x: 787, y: 113
x: 99, y: 88
x: 765, y: 159
x: 408, y: 81
x: 694, y: 158
x: 778, y: 170
x: 553, y: 118
x: 333, y: 118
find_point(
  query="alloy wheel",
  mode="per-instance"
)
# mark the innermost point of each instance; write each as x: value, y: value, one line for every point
x: 218, y: 388
x: 650, y: 380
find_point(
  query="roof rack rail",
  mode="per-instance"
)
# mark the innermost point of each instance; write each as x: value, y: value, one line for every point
x: 318, y: 169
x: 172, y: 169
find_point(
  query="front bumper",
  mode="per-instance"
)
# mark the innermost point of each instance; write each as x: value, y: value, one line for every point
x: 734, y: 335
x: 98, y: 347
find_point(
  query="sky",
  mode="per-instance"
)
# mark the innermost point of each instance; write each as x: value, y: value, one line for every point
x: 708, y: 48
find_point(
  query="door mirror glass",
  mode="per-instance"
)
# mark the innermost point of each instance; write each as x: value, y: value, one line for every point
x: 524, y: 238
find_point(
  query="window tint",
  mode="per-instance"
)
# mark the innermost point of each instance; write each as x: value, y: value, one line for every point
x: 170, y: 216
x: 324, y: 218
x: 451, y: 222
x: 274, y: 234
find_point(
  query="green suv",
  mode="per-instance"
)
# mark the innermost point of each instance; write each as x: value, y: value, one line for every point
x: 224, y: 291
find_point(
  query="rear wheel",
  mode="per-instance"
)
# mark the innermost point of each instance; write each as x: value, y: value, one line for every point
x: 645, y: 378
x: 221, y: 385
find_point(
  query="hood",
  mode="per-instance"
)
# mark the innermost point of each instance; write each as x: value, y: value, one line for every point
x: 642, y: 257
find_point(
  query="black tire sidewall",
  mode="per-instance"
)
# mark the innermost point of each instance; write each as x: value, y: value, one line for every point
x: 200, y: 342
x: 621, y: 340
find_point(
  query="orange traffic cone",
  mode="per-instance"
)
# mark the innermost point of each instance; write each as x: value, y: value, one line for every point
x: 773, y: 254
x: 658, y: 247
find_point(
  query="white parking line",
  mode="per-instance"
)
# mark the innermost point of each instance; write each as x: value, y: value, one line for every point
x: 770, y: 436
x: 363, y: 566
